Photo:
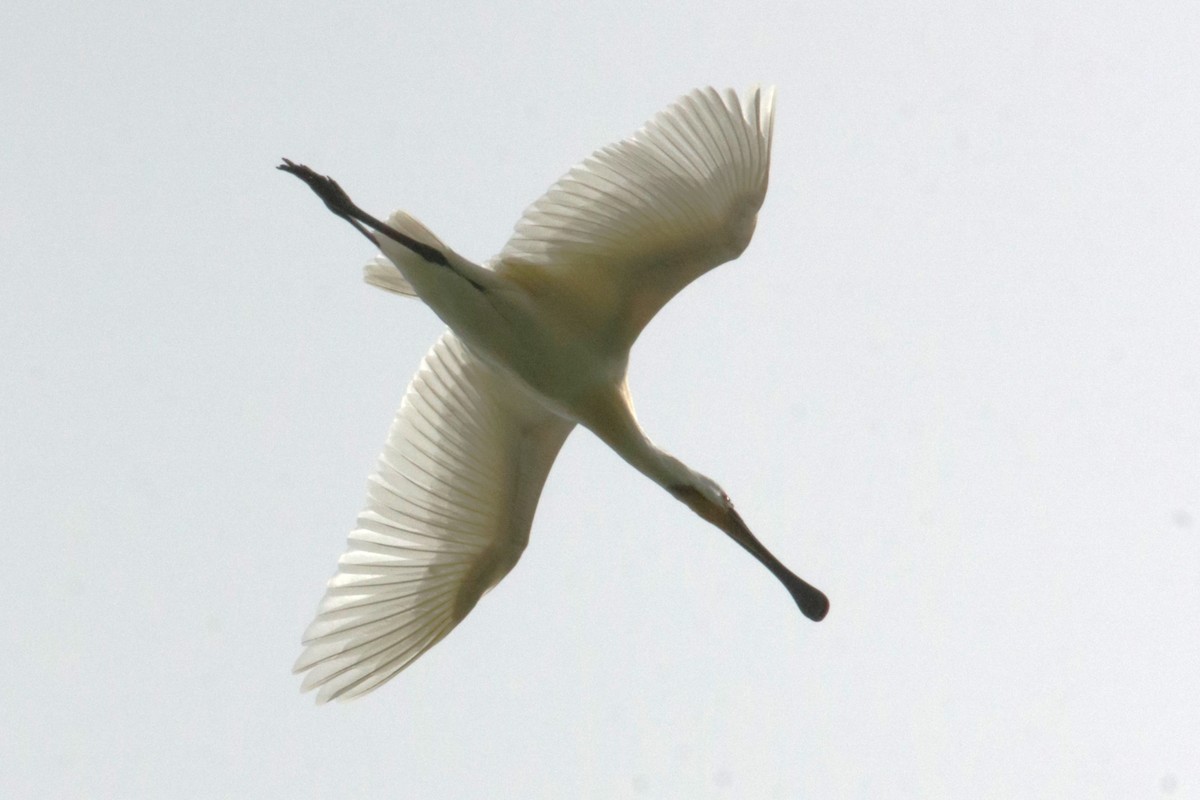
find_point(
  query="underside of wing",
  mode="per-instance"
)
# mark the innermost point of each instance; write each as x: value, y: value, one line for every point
x: 624, y: 231
x: 448, y: 515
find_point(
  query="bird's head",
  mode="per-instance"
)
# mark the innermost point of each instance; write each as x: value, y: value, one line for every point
x: 704, y: 497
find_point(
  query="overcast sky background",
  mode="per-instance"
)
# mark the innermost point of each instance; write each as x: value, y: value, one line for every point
x: 954, y: 382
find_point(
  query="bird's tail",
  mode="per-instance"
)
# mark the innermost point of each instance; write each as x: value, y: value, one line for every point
x: 381, y: 272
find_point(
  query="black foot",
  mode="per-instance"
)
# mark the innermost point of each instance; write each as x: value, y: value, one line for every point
x: 325, y: 187
x: 332, y: 195
x: 336, y: 200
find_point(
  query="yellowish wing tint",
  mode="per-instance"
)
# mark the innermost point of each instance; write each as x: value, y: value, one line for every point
x: 620, y: 234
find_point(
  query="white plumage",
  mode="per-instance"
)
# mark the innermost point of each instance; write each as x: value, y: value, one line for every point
x: 447, y: 516
x: 539, y: 341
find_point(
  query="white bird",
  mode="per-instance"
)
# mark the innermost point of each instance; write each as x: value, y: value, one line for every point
x: 539, y: 341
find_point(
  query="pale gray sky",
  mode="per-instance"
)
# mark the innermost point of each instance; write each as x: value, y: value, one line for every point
x: 953, y: 382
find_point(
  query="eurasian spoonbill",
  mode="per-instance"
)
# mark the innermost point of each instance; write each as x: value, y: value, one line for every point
x: 538, y: 341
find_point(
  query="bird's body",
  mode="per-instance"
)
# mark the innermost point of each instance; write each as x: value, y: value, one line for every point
x: 539, y: 341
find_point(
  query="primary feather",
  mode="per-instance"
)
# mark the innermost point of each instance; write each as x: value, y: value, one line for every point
x: 447, y: 516
x: 620, y: 234
x: 450, y: 505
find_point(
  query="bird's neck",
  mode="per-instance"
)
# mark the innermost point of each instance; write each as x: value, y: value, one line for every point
x: 659, y: 466
x: 616, y: 424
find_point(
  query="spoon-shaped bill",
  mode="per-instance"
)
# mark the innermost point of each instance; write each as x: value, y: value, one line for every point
x: 812, y: 601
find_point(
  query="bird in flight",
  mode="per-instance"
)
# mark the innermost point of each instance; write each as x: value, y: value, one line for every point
x: 538, y: 342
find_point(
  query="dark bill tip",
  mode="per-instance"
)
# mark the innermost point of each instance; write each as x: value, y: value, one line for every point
x: 812, y: 601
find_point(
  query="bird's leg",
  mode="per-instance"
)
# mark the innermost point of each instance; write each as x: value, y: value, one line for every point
x: 337, y: 201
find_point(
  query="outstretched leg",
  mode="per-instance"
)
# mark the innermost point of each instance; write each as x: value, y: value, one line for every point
x: 337, y: 201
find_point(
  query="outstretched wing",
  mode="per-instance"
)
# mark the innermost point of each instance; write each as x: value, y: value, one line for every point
x: 623, y: 232
x: 447, y: 516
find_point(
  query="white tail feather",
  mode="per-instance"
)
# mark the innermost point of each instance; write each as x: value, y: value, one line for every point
x: 381, y: 272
